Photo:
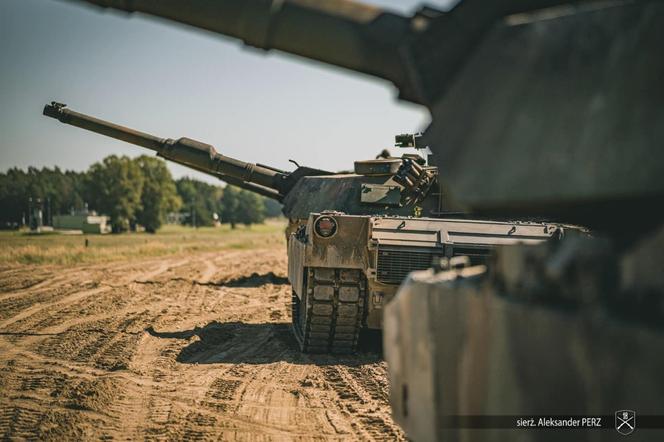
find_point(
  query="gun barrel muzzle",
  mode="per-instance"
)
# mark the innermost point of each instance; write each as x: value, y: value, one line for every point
x: 60, y: 112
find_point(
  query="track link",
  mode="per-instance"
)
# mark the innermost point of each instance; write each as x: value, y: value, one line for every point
x: 329, y: 316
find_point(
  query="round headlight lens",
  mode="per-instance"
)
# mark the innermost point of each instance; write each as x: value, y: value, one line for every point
x: 325, y: 226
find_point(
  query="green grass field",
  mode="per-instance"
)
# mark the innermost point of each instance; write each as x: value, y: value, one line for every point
x: 54, y: 248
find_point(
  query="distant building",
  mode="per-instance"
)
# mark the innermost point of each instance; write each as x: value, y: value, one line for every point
x: 176, y: 217
x: 84, y: 220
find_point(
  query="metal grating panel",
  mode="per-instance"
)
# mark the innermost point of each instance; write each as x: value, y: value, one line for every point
x: 395, y: 263
x: 477, y: 255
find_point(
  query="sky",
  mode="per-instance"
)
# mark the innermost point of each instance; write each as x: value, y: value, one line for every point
x: 173, y: 81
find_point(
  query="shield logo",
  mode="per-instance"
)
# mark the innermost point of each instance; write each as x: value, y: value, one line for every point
x: 625, y: 421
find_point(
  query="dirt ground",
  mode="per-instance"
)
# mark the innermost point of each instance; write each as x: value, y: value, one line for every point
x: 193, y: 347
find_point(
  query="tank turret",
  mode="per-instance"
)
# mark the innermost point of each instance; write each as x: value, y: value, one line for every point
x: 391, y: 186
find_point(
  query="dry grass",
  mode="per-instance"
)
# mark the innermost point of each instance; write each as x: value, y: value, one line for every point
x: 25, y: 248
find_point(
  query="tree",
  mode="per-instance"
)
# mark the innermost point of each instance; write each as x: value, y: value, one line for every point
x: 229, y: 203
x: 129, y: 191
x: 13, y: 197
x: 251, y: 208
x: 114, y: 188
x: 200, y: 201
x: 241, y: 207
x: 159, y: 195
x: 59, y: 192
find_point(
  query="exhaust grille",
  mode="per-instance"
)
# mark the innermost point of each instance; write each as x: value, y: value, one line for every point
x: 395, y: 263
x: 477, y: 255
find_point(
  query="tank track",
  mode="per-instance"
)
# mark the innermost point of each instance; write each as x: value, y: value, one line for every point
x: 329, y: 317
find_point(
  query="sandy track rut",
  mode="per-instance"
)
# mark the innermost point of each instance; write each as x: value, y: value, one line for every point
x: 176, y: 348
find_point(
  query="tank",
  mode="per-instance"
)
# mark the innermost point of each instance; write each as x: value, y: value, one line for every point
x: 351, y: 246
x: 571, y: 99
x: 548, y: 108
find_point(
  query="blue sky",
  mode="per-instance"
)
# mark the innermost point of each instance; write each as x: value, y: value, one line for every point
x: 176, y: 81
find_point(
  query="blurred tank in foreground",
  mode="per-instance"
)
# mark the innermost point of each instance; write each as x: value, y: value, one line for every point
x: 559, y: 112
x: 572, y: 328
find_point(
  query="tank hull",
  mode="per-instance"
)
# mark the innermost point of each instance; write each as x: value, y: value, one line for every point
x: 526, y: 339
x: 382, y: 250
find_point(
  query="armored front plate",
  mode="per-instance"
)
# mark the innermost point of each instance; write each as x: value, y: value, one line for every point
x: 380, y: 194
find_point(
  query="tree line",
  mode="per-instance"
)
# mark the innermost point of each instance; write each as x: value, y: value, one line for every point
x: 132, y: 192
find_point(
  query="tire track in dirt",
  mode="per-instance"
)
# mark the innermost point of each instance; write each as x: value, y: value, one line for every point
x: 38, y: 307
x: 368, y: 422
x: 174, y: 348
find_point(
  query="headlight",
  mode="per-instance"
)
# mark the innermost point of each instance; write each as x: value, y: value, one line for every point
x: 325, y: 226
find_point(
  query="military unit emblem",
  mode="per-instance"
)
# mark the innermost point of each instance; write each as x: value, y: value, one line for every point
x: 625, y: 421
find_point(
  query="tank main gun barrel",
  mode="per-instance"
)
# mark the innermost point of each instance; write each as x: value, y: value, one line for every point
x: 343, y: 33
x: 68, y: 116
x: 418, y: 54
x: 191, y: 153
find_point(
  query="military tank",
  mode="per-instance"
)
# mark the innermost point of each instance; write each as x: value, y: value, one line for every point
x: 546, y: 108
x: 350, y: 247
